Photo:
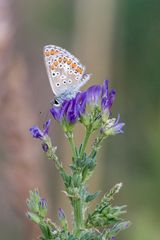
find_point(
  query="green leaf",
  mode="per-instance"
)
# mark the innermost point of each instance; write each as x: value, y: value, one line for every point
x: 33, y: 201
x: 67, y: 180
x: 45, y: 230
x: 71, y: 237
x: 120, y: 226
x: 77, y: 180
x: 91, y: 197
x: 33, y: 217
x: 89, y: 235
x: 42, y: 238
x: 80, y: 148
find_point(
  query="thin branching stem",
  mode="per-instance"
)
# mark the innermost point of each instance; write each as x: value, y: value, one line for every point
x: 72, y: 144
x: 85, y: 141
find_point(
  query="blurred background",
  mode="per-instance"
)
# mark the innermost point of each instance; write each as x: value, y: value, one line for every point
x: 115, y: 40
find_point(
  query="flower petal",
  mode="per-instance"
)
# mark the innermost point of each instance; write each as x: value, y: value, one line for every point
x: 36, y: 132
x: 56, y: 113
x: 44, y: 147
x: 46, y: 127
x: 61, y: 214
x: 81, y: 103
x: 93, y: 94
x: 111, y: 97
x: 72, y: 113
x: 43, y: 203
x: 105, y: 88
x: 118, y: 128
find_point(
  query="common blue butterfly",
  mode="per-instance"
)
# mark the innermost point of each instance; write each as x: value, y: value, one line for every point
x: 65, y: 72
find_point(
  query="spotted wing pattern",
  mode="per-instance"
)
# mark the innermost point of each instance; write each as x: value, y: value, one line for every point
x: 65, y: 71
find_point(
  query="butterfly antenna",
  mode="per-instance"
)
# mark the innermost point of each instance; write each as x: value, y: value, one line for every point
x: 44, y: 115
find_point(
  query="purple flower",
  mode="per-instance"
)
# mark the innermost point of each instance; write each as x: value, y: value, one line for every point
x: 43, y: 203
x: 58, y: 112
x: 81, y: 101
x: 72, y: 110
x: 42, y: 207
x: 117, y: 127
x: 105, y: 88
x: 112, y: 127
x: 61, y: 214
x: 37, y: 133
x: 46, y: 127
x: 93, y: 94
x: 45, y: 147
x: 107, y: 97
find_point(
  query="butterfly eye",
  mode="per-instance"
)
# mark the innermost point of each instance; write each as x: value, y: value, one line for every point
x: 57, y: 84
x: 57, y: 73
x: 56, y: 103
x: 64, y: 82
x: 53, y: 74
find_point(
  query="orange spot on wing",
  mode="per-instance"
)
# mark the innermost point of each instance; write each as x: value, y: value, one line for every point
x: 60, y: 60
x: 52, y: 52
x: 52, y: 67
x: 56, y: 63
x: 46, y: 54
x: 79, y: 70
x: 64, y: 59
x: 74, y: 65
x: 69, y: 61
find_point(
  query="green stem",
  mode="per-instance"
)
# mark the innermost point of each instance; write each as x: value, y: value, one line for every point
x: 52, y: 156
x: 72, y: 144
x: 78, y: 216
x: 77, y: 203
x: 96, y: 146
x: 84, y: 144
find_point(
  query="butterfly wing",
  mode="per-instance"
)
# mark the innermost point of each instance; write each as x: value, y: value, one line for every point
x: 66, y: 73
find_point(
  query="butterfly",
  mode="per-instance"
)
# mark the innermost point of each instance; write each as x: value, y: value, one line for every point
x: 65, y: 72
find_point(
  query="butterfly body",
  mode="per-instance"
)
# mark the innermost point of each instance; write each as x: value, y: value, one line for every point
x: 65, y: 72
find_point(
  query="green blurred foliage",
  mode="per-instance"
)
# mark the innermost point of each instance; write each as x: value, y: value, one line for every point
x: 136, y: 73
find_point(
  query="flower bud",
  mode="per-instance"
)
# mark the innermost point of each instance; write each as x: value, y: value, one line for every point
x: 43, y: 207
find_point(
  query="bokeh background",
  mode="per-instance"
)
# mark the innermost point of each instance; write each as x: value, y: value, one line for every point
x: 116, y: 40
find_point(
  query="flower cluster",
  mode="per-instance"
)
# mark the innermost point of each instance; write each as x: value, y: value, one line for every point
x: 42, y: 135
x: 91, y: 107
x: 37, y: 206
x: 95, y: 96
x: 37, y: 133
x: 70, y: 110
